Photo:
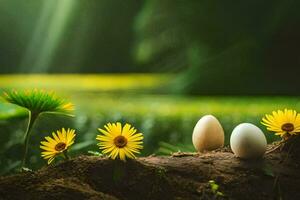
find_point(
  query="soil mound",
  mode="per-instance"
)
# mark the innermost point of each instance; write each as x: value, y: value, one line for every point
x: 181, y: 176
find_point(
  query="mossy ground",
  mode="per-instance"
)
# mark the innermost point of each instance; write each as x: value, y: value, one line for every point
x: 184, y: 176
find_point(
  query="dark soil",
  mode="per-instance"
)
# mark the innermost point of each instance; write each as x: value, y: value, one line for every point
x: 181, y: 176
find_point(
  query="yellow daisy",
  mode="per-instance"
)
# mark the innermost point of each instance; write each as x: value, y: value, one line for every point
x: 117, y: 141
x: 284, y: 123
x: 58, y: 144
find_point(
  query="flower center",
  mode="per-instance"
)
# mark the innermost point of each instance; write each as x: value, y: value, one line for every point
x: 120, y: 141
x: 288, y: 127
x: 60, y: 146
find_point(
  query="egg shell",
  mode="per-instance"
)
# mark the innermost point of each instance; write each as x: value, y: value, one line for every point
x: 248, y: 141
x: 208, y: 134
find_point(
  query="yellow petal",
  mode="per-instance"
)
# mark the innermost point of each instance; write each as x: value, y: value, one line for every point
x: 64, y: 135
x: 50, y: 140
x: 47, y: 148
x: 104, y: 138
x: 48, y: 156
x: 48, y: 152
x: 108, y: 149
x: 126, y: 129
x: 70, y: 137
x: 55, y: 137
x: 50, y: 160
x: 122, y: 155
x: 47, y: 144
x: 136, y: 137
x: 108, y: 134
x: 115, y: 153
x: 60, y: 135
x: 128, y: 153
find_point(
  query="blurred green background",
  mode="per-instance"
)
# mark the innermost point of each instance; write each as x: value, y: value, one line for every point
x: 159, y: 65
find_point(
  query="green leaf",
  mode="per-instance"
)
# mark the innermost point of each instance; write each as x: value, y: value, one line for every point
x: 220, y: 194
x: 214, y: 187
x: 25, y: 169
x: 95, y: 153
x: 268, y: 171
x: 82, y: 145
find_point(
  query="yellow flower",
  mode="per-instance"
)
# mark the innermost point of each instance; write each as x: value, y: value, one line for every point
x: 284, y: 123
x: 58, y: 144
x: 117, y: 141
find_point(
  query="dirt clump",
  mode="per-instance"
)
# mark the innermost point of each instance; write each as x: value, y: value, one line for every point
x: 184, y: 176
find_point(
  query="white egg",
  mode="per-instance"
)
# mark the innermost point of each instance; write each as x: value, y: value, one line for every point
x: 248, y: 141
x: 208, y: 134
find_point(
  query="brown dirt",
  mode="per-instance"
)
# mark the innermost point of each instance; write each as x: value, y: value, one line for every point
x: 181, y: 176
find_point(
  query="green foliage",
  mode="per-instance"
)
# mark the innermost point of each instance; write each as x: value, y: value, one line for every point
x: 95, y: 153
x: 221, y: 47
x: 167, y: 128
x: 167, y: 122
x: 167, y: 148
x: 9, y: 112
x: 215, y: 188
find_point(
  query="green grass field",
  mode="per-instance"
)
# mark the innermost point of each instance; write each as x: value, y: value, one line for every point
x: 166, y: 120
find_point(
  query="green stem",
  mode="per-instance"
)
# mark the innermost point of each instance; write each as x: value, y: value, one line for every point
x: 66, y: 155
x: 31, y: 119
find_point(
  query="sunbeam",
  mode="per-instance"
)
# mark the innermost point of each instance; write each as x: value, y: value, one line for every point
x: 47, y: 34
